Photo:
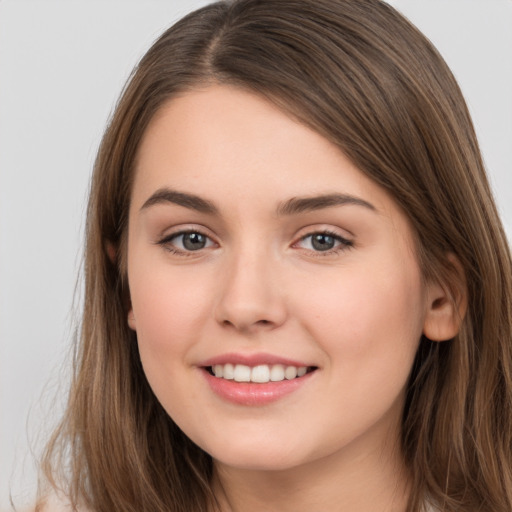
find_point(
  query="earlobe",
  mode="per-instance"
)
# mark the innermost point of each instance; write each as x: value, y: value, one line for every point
x: 131, y: 320
x: 111, y: 251
x: 446, y: 304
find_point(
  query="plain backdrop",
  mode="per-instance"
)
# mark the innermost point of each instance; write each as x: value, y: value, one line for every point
x: 62, y: 66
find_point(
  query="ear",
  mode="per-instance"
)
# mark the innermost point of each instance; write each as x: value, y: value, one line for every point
x: 131, y: 319
x: 111, y: 251
x: 446, y: 303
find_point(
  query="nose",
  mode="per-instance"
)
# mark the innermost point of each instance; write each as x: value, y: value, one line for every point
x: 251, y: 297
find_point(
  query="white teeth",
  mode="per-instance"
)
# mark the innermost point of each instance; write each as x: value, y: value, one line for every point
x: 277, y: 373
x: 261, y: 374
x: 228, y: 372
x: 290, y: 372
x: 242, y: 373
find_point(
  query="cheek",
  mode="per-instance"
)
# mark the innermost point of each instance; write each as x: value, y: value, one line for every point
x: 367, y: 315
x: 168, y: 311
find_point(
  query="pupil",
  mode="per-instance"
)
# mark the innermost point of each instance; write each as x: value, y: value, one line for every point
x: 193, y: 241
x: 322, y: 242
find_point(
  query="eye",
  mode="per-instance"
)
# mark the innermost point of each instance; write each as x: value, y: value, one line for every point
x: 324, y: 241
x: 186, y: 241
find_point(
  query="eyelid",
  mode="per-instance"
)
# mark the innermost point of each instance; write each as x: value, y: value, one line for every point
x: 165, y: 240
x: 343, y: 242
x: 327, y: 229
x: 343, y: 245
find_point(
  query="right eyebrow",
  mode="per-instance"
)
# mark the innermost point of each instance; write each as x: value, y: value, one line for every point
x: 297, y: 205
x: 191, y: 201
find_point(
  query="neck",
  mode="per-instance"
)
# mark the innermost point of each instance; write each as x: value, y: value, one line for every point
x: 355, y: 479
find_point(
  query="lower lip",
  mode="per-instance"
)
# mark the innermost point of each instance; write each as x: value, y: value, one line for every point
x: 251, y: 393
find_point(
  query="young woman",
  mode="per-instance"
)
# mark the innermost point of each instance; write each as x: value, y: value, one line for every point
x: 298, y: 291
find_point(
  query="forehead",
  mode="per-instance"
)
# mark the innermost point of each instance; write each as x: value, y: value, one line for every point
x: 228, y: 144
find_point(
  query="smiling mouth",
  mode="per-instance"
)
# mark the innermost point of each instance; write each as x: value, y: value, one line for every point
x: 260, y: 374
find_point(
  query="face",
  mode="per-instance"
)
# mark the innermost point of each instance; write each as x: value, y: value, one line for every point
x: 276, y: 297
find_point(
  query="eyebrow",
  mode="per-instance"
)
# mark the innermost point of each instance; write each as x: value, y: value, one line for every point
x: 191, y: 201
x: 292, y: 206
x: 297, y: 205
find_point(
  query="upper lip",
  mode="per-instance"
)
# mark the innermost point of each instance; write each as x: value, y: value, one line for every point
x: 252, y: 360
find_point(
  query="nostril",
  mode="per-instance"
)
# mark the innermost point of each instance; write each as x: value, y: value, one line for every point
x: 246, y: 325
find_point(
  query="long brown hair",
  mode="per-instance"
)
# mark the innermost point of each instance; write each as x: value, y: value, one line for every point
x: 361, y: 75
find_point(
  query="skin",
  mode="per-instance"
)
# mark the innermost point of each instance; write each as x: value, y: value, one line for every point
x: 356, y: 313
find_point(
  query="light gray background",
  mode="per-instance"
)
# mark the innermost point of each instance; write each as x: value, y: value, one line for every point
x: 62, y: 65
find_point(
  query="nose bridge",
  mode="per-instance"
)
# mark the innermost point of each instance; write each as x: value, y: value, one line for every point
x: 250, y: 296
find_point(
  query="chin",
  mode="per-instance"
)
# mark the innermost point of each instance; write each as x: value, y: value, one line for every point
x: 256, y: 458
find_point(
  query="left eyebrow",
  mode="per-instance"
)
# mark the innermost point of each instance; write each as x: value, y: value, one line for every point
x: 297, y: 205
x: 191, y: 201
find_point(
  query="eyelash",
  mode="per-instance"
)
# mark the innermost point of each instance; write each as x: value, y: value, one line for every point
x: 166, y: 242
x: 344, y: 244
